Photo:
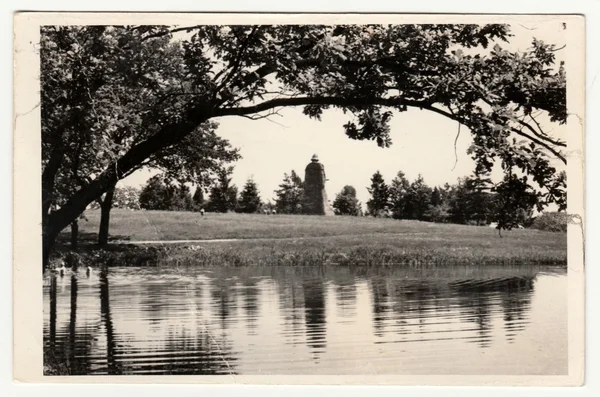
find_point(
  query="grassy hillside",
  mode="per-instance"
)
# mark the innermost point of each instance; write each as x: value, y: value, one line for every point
x: 294, y: 238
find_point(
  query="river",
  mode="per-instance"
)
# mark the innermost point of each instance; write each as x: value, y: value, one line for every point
x: 307, y: 320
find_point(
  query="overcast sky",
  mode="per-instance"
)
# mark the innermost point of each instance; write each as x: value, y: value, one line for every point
x: 422, y: 142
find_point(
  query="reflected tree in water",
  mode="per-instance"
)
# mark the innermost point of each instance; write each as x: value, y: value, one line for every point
x: 345, y: 294
x: 251, y: 293
x: 189, y: 354
x: 291, y: 305
x: 112, y: 367
x: 516, y: 303
x: 380, y: 298
x: 314, y: 303
x: 66, y: 351
x: 223, y: 300
x: 406, y: 307
x: 53, y: 312
x: 418, y: 298
x: 476, y: 296
x: 72, y: 322
x: 155, y: 309
x: 474, y: 305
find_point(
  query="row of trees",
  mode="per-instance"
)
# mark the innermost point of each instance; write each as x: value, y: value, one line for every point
x: 115, y: 99
x: 473, y: 200
x: 160, y: 193
x: 289, y: 198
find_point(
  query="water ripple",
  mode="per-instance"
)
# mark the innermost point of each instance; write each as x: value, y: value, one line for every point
x: 302, y: 321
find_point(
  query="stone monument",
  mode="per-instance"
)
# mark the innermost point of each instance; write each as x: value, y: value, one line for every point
x: 315, y: 197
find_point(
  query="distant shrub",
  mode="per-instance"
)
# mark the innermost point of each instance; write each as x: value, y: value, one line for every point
x: 552, y: 222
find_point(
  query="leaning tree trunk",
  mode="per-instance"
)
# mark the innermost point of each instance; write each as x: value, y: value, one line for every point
x: 105, y: 208
x: 169, y: 135
x: 74, y: 233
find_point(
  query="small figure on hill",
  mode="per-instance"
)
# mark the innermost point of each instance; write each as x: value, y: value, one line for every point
x: 202, y: 212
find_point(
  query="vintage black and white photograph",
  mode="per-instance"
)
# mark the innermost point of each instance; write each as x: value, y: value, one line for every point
x: 330, y: 198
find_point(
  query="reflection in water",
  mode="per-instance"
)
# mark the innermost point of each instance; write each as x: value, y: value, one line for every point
x: 380, y: 304
x: 251, y: 292
x: 72, y: 321
x: 314, y: 303
x: 111, y: 365
x: 516, y: 302
x: 53, y: 312
x: 338, y: 320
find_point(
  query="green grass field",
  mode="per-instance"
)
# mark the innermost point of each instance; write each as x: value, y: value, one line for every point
x: 295, y: 239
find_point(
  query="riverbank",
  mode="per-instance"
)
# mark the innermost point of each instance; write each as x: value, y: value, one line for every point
x: 186, y: 239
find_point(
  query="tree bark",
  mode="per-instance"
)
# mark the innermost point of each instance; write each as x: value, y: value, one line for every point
x: 105, y: 208
x: 74, y: 233
x: 74, y: 207
x: 48, y: 178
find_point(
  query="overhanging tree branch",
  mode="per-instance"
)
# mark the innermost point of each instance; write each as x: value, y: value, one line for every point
x: 351, y: 102
x: 516, y: 131
x: 316, y: 100
x: 541, y: 137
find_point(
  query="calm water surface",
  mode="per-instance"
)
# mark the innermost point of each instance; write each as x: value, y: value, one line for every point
x: 330, y: 320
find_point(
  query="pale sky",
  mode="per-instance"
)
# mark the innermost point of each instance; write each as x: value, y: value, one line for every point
x: 422, y: 142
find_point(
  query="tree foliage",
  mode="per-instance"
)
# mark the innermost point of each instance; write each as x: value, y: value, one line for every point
x: 399, y: 191
x: 514, y: 202
x: 154, y: 194
x: 249, y: 201
x: 290, y: 194
x: 198, y: 198
x: 439, y: 213
x: 552, y: 222
x: 471, y: 201
x: 125, y: 197
x: 160, y: 194
x: 346, y: 203
x: 223, y: 194
x: 162, y: 90
x: 380, y: 195
x: 418, y: 199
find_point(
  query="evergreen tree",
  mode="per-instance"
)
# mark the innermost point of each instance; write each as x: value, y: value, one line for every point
x: 346, y: 203
x: 439, y: 209
x: 457, y: 199
x: 223, y: 195
x: 437, y: 213
x: 418, y: 199
x: 479, y: 201
x: 436, y: 197
x: 380, y: 195
x: 399, y: 190
x: 249, y: 201
x: 289, y: 195
x: 470, y: 201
